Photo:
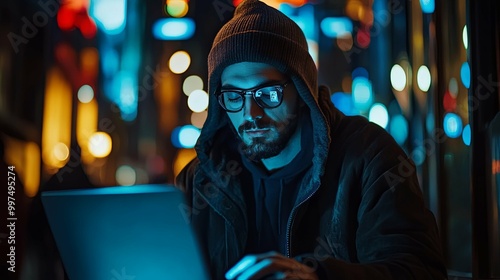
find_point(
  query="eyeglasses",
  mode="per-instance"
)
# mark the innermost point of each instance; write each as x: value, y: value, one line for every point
x: 268, y: 97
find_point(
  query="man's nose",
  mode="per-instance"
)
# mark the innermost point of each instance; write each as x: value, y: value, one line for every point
x: 252, y: 111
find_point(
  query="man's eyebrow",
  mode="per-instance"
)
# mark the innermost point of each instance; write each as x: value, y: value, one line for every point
x: 262, y: 84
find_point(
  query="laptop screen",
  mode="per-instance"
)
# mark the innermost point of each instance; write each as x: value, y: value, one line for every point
x: 124, y: 233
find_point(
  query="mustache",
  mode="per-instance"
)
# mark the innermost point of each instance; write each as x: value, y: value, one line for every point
x: 255, y: 124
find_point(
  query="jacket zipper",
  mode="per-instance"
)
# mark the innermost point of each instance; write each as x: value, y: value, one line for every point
x: 290, y: 223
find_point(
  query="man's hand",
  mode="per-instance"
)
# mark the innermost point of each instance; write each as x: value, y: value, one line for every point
x: 270, y: 265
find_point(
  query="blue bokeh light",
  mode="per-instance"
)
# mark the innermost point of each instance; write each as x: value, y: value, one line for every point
x: 452, y: 124
x: 398, y: 128
x: 362, y: 95
x: 343, y: 102
x: 334, y: 27
x: 465, y: 74
x: 428, y: 6
x: 185, y: 136
x: 173, y: 28
x: 466, y: 135
x: 110, y: 15
x: 359, y: 72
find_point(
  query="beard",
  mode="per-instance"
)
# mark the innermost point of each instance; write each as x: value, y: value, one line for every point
x: 272, y: 143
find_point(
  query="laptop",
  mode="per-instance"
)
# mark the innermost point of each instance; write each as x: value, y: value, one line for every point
x: 124, y: 233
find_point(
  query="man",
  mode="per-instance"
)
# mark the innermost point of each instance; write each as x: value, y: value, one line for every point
x: 284, y: 185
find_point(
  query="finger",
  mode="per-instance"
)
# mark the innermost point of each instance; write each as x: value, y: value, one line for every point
x: 271, y: 266
x: 247, y: 262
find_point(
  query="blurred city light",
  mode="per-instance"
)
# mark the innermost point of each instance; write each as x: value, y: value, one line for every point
x: 449, y: 102
x: 85, y: 94
x: 57, y: 118
x: 125, y: 175
x: 465, y: 74
x: 110, y: 60
x: 110, y: 15
x: 453, y: 87
x: 185, y: 136
x: 343, y: 102
x: 452, y: 125
x: 125, y: 94
x: 398, y: 77
x: 198, y: 119
x: 427, y: 6
x: 31, y: 164
x: 378, y: 114
x: 173, y: 28
x: 184, y: 156
x: 61, y: 151
x: 398, y: 128
x: 466, y: 135
x: 86, y: 125
x: 345, y: 42
x: 179, y: 62
x: 360, y: 72
x: 177, y: 8
x: 424, y: 78
x: 191, y: 84
x: 362, y: 94
x: 363, y: 38
x: 465, y: 37
x: 198, y: 101
x: 334, y: 27
x: 100, y: 144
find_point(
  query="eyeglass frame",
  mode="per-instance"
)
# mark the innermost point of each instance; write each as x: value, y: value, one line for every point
x: 252, y: 91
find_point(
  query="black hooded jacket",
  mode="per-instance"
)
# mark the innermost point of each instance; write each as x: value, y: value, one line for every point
x: 359, y: 212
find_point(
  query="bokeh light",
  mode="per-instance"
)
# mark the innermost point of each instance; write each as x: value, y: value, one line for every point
x: 378, y: 114
x: 427, y: 6
x: 173, y: 28
x: 465, y: 37
x: 466, y: 135
x: 449, y: 102
x: 398, y: 77
x: 198, y: 119
x: 424, y: 78
x: 452, y: 124
x: 360, y: 72
x: 191, y: 84
x: 343, y: 102
x: 85, y: 94
x: 100, y: 144
x: 109, y: 14
x: 125, y: 175
x: 179, y: 62
x: 362, y: 95
x: 185, y: 136
x: 334, y: 27
x: 177, y: 8
x: 398, y: 128
x: 61, y: 151
x: 198, y: 101
x: 465, y: 74
x: 453, y: 87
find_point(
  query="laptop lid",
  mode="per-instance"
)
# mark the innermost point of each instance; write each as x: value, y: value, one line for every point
x: 124, y: 233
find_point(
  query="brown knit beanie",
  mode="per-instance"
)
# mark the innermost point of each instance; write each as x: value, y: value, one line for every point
x: 259, y: 33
